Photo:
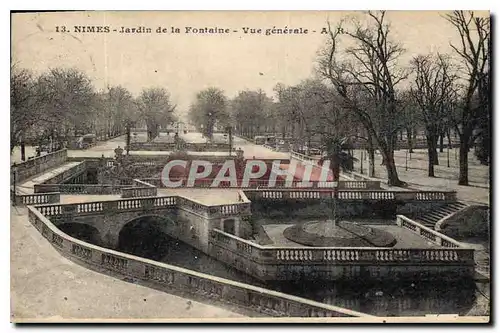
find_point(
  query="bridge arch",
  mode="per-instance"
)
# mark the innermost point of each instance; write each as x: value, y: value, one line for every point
x: 82, y: 231
x: 151, y: 236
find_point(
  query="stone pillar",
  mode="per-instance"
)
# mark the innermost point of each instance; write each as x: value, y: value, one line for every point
x: 110, y: 239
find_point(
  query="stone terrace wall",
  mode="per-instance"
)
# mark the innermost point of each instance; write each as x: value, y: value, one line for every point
x: 322, y: 263
x: 40, y: 164
x: 318, y: 203
x: 174, y: 279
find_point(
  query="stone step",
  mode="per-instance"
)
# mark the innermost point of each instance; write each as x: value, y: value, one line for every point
x: 435, y: 216
x: 427, y: 222
x: 449, y: 210
x: 457, y: 205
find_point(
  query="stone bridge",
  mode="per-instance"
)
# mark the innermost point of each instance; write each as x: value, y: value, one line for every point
x: 185, y: 219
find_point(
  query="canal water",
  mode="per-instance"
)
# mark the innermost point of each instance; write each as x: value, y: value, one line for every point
x: 412, y: 298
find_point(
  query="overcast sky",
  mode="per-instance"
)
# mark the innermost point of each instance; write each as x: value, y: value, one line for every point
x: 186, y: 63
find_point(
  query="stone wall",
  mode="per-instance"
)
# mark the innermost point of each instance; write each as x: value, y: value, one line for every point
x: 473, y: 221
x: 38, y: 165
x: 272, y: 263
x: 174, y: 279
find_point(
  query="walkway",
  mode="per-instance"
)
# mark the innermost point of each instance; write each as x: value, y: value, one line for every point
x: 446, y: 178
x: 46, y: 286
x: 27, y: 187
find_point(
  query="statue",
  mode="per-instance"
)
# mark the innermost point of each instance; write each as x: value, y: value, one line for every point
x: 118, y: 154
x: 239, y: 153
x: 179, y: 146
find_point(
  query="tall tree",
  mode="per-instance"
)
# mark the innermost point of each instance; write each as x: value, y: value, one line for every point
x: 433, y: 88
x: 368, y: 69
x: 474, y: 53
x: 70, y: 103
x: 209, y: 109
x: 156, y: 109
x: 250, y: 111
x: 23, y: 106
x: 122, y: 110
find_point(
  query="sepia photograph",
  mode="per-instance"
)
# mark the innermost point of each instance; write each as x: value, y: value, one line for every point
x: 250, y: 166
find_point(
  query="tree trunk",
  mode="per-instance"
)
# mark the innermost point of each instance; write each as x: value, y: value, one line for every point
x: 435, y: 156
x: 392, y: 173
x: 431, y: 152
x: 335, y: 167
x: 371, y: 157
x: 432, y: 137
x: 463, y: 176
x: 387, y: 151
x: 128, y: 139
x: 23, y: 151
x: 409, y: 139
x: 441, y: 142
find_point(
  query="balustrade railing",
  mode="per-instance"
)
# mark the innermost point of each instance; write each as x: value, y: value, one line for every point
x: 99, y: 207
x: 80, y: 188
x: 266, y: 184
x: 63, y: 176
x: 170, y: 146
x: 272, y: 255
x: 373, y: 195
x: 171, y: 278
x: 427, y: 233
x: 140, y: 189
x: 38, y: 198
x: 111, y: 206
x: 40, y: 164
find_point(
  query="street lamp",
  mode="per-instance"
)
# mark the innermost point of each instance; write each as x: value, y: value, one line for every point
x: 14, y: 180
x: 230, y: 134
x: 361, y: 160
x: 406, y: 160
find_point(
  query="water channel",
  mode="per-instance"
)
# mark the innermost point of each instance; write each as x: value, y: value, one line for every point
x: 411, y: 298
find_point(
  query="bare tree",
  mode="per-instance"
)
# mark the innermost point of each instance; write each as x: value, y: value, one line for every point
x: 156, y: 109
x: 432, y: 91
x: 474, y: 52
x: 209, y: 109
x: 365, y: 76
x: 122, y: 111
x: 250, y: 112
x: 69, y: 103
x: 23, y: 107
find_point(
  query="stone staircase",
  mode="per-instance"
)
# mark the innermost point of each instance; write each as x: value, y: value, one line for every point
x: 429, y: 219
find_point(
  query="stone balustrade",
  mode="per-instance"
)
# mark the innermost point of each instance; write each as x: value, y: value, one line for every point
x: 371, y: 195
x: 271, y: 255
x: 151, y: 203
x: 265, y: 184
x: 40, y: 164
x: 302, y: 157
x: 269, y: 147
x: 61, y: 177
x: 175, y: 279
x: 100, y: 189
x: 171, y: 146
x: 109, y: 207
x: 140, y: 189
x: 38, y: 198
x: 427, y: 233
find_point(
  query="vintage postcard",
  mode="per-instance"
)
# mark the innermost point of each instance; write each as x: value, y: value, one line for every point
x: 284, y: 166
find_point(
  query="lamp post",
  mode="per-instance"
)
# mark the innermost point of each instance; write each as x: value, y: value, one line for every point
x: 406, y: 160
x: 14, y: 181
x: 230, y: 133
x: 361, y: 162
